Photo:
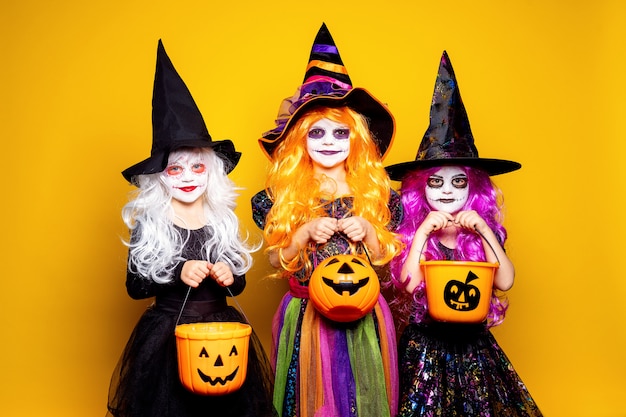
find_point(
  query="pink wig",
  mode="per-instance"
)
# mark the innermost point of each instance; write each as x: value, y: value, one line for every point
x: 484, y: 197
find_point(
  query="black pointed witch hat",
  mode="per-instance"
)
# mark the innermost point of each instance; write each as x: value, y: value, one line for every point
x: 448, y: 139
x: 327, y: 83
x: 176, y: 123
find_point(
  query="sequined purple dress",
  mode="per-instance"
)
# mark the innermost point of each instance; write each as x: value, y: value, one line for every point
x: 449, y: 369
x: 458, y: 370
x: 325, y: 368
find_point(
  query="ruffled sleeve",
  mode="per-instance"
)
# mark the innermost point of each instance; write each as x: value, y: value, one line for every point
x: 261, y: 205
x: 397, y: 211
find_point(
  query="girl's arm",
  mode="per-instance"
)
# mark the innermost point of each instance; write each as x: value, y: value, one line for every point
x: 411, y: 270
x: 139, y: 287
x: 318, y: 230
x: 505, y: 274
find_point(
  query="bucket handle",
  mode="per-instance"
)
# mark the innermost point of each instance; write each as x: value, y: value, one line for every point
x: 229, y: 292
x: 477, y: 232
x: 359, y: 243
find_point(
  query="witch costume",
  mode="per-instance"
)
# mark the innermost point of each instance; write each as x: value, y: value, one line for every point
x: 146, y: 382
x: 450, y: 369
x: 325, y: 368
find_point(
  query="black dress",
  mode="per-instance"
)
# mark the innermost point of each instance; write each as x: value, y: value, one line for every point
x: 145, y: 382
x: 458, y: 370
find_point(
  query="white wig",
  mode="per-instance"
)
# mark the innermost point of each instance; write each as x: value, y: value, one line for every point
x: 156, y: 245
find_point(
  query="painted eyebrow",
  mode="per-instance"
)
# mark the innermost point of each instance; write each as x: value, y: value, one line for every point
x: 314, y: 126
x: 453, y: 177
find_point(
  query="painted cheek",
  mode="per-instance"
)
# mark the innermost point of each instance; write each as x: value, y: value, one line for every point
x: 344, y: 145
x: 168, y: 180
x: 434, y: 195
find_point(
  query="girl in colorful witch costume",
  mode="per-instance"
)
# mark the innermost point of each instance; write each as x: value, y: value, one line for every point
x: 184, y: 243
x: 327, y: 193
x: 452, y: 212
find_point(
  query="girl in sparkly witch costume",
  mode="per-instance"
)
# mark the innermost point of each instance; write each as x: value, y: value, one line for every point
x: 184, y: 242
x: 327, y: 192
x: 452, y: 212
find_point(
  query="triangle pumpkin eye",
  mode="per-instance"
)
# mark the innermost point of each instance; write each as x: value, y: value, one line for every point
x: 203, y: 353
x: 333, y: 261
x: 358, y: 261
x: 233, y: 351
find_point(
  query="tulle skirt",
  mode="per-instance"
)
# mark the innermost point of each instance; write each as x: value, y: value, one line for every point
x: 458, y: 370
x: 145, y: 382
x: 329, y: 369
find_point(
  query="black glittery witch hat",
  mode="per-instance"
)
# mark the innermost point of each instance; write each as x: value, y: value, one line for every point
x: 448, y: 139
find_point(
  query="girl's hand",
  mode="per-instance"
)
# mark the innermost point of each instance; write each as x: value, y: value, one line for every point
x: 194, y: 272
x: 435, y: 220
x: 318, y: 230
x: 471, y: 220
x: 355, y: 227
x: 505, y: 274
x: 321, y: 229
x: 221, y: 273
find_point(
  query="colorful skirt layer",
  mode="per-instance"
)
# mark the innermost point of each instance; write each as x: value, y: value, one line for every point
x: 145, y: 382
x: 329, y: 369
x: 458, y: 370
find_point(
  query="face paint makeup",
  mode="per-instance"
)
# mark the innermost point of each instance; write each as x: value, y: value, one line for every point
x: 186, y: 175
x: 447, y: 189
x: 328, y: 143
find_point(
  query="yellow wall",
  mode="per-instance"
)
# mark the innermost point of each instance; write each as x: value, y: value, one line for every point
x: 543, y: 82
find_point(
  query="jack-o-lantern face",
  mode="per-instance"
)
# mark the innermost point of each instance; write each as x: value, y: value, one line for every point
x: 458, y: 291
x: 344, y: 288
x: 218, y: 367
x: 462, y: 296
x: 212, y: 357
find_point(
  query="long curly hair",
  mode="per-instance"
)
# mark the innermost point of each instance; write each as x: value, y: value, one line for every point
x: 296, y: 192
x: 156, y: 245
x: 485, y: 198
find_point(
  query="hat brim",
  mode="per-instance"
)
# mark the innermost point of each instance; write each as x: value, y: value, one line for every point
x: 157, y: 162
x: 397, y: 172
x: 380, y: 120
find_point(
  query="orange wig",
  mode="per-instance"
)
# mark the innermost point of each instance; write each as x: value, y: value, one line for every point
x: 297, y: 194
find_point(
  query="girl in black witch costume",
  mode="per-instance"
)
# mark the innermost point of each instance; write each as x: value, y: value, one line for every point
x: 452, y: 212
x: 184, y: 234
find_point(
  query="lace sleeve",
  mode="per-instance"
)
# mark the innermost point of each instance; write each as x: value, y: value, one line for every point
x: 261, y: 205
x: 397, y: 211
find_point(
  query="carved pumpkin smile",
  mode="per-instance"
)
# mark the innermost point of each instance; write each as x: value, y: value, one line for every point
x: 344, y: 288
x: 217, y: 379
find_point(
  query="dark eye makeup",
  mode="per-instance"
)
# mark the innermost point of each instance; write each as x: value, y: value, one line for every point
x: 340, y: 133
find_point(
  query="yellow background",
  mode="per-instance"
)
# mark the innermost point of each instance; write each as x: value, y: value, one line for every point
x: 543, y: 82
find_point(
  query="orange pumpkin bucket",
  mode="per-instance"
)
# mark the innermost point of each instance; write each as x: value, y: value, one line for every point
x: 458, y: 291
x: 213, y: 357
x: 344, y: 288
